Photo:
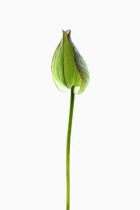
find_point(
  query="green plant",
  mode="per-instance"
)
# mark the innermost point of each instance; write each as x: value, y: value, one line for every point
x: 69, y: 71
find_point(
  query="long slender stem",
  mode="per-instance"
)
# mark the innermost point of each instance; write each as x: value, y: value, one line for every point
x: 68, y: 150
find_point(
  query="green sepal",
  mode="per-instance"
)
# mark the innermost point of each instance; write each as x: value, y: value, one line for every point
x: 57, y: 68
x: 64, y: 70
x: 71, y: 74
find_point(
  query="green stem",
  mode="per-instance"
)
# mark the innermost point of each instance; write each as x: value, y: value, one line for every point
x: 68, y: 150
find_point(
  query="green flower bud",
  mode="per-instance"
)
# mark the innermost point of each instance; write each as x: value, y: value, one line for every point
x: 68, y: 67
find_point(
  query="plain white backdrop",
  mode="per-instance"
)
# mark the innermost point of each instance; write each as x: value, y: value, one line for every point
x: 105, y: 149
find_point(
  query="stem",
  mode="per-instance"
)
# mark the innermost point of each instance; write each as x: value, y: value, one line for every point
x: 68, y: 150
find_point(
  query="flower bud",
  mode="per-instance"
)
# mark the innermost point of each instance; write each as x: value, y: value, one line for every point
x: 68, y: 67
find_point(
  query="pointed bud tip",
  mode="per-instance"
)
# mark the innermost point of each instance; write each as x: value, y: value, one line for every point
x: 68, y: 32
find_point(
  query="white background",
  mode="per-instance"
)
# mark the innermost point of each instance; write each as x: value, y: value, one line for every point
x: 105, y: 150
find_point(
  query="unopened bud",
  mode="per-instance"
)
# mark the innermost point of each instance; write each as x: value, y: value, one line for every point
x: 68, y: 67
